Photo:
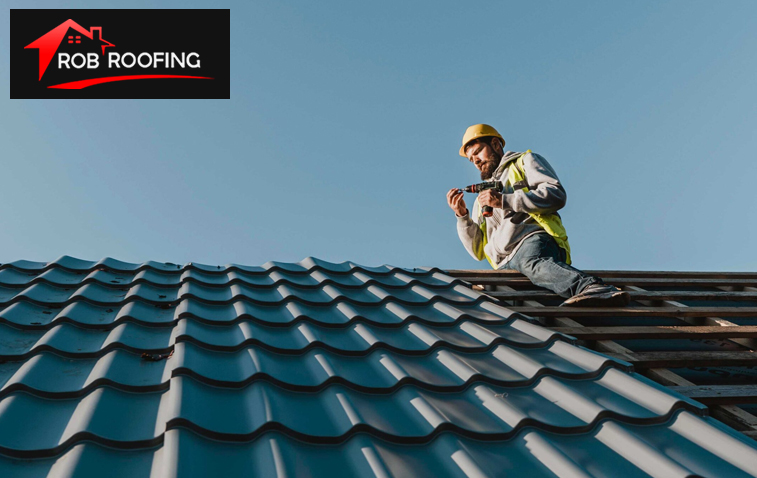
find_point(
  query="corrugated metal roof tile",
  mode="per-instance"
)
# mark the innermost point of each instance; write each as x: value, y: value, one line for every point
x: 673, y: 449
x: 69, y: 338
x: 408, y: 414
x: 318, y: 369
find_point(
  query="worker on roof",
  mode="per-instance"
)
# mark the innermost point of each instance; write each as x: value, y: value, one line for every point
x: 524, y: 231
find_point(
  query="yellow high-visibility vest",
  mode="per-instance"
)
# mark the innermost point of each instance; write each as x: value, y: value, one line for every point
x: 549, y: 222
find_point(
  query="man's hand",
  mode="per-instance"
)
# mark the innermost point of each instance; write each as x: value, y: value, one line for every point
x: 456, y: 202
x: 490, y: 197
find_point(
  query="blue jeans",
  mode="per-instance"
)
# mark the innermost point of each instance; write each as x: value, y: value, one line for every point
x: 541, y: 260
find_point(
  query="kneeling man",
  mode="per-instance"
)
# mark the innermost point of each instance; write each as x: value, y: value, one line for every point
x: 523, y: 230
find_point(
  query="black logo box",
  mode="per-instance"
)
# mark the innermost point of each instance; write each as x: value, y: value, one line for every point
x: 205, y: 32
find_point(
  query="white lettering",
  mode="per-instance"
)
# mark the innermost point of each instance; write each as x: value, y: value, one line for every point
x: 83, y: 60
x: 63, y: 59
x: 143, y: 60
x: 123, y: 60
x: 144, y: 55
x: 175, y: 59
x: 158, y: 58
x: 113, y: 59
x: 92, y: 61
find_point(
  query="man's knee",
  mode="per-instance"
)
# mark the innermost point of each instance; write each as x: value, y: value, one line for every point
x: 532, y: 267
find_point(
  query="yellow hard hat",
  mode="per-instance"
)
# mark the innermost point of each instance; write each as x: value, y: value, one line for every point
x: 478, y: 131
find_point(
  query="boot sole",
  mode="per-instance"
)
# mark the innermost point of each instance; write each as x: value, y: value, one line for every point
x: 607, y: 299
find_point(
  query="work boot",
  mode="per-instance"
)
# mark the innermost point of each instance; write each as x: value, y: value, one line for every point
x: 599, y: 295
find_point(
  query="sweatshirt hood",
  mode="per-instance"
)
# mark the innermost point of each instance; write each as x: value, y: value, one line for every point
x: 509, y: 155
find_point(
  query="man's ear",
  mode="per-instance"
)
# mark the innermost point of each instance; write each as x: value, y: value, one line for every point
x: 496, y: 144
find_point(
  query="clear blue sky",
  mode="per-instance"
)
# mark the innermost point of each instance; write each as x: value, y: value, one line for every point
x: 340, y: 139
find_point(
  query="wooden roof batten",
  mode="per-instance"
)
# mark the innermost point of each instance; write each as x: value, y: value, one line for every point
x: 702, y: 323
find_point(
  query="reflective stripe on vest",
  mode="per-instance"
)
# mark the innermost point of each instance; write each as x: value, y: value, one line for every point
x: 551, y: 223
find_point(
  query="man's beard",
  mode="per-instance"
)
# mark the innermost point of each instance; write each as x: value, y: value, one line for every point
x: 488, y: 168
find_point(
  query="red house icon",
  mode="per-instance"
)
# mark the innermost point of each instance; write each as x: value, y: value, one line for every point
x: 48, y: 43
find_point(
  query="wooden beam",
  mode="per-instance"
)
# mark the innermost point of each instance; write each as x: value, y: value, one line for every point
x: 635, y: 295
x: 622, y: 281
x: 731, y: 415
x: 719, y: 394
x: 659, y: 332
x: 707, y: 320
x: 606, y: 273
x: 689, y: 359
x: 636, y: 311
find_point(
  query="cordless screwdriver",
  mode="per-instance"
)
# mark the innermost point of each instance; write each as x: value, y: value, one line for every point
x: 477, y: 188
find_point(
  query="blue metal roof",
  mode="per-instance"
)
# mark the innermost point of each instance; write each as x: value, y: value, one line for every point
x: 318, y: 369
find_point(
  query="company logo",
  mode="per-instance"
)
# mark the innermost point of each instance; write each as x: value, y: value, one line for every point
x: 164, y: 49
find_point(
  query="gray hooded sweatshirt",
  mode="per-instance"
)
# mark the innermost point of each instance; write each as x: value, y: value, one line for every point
x: 508, y: 227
